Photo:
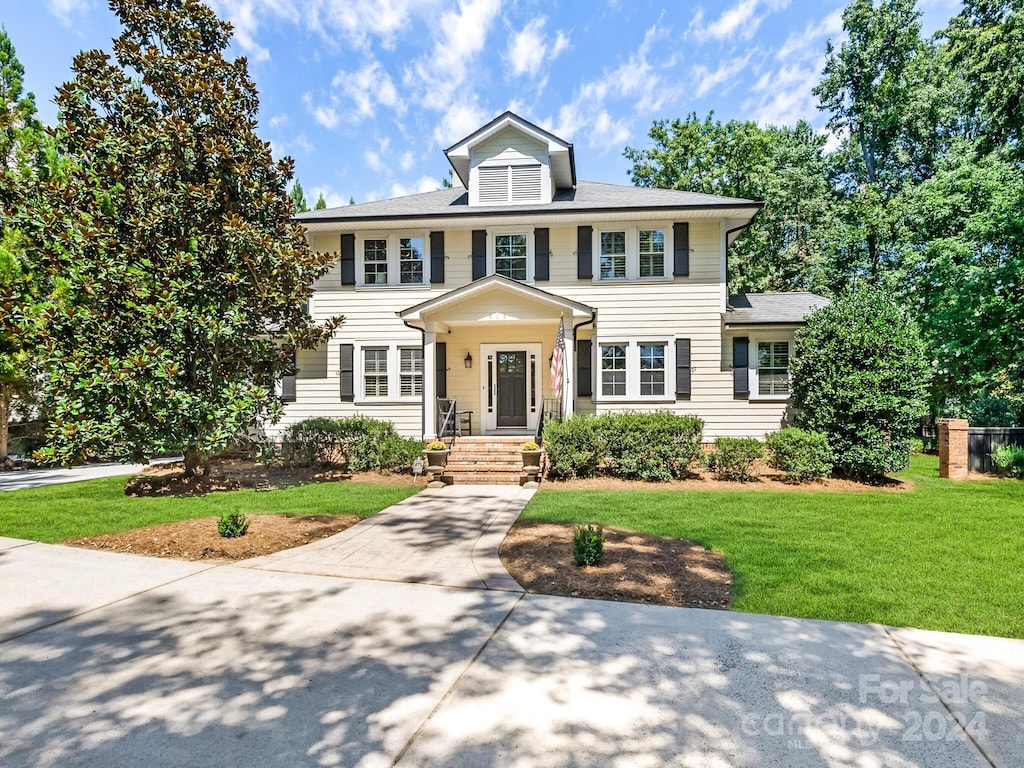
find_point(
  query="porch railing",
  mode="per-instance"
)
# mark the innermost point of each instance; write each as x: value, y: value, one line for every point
x: 445, y: 417
x: 550, y: 411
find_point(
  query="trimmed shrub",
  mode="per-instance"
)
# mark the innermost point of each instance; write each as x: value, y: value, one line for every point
x: 574, y: 447
x: 358, y: 442
x: 587, y: 545
x: 650, y: 446
x: 231, y: 525
x: 1009, y: 459
x: 734, y: 457
x: 860, y: 376
x: 802, y: 455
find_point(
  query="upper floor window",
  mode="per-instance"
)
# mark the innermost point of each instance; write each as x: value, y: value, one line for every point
x: 393, y: 259
x: 632, y: 252
x: 510, y: 256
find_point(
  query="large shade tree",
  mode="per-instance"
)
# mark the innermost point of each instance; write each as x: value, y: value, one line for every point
x: 178, y: 274
x: 23, y: 165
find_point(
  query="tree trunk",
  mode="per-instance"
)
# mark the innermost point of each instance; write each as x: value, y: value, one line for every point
x: 5, y: 418
x: 194, y: 458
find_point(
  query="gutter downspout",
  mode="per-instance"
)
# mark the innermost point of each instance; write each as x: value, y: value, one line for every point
x: 423, y: 343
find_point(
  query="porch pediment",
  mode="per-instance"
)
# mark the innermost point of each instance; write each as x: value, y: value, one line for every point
x: 495, y: 299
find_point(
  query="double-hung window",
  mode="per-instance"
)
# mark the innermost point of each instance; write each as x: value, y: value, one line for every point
x: 773, y: 368
x: 375, y: 372
x: 634, y: 370
x: 510, y: 256
x: 410, y: 362
x: 632, y: 252
x: 613, y: 370
x: 393, y: 259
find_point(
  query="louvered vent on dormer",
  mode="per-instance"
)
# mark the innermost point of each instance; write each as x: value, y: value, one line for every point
x: 493, y: 181
x: 526, y: 181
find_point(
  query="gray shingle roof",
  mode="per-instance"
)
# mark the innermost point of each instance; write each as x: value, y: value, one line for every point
x: 587, y: 196
x: 772, y: 308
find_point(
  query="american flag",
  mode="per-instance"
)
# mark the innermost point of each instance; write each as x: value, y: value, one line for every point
x: 557, y: 360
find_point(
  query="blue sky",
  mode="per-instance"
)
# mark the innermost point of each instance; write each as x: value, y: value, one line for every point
x: 365, y: 94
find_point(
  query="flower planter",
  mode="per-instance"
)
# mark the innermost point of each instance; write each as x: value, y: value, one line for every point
x: 436, y: 460
x: 531, y: 459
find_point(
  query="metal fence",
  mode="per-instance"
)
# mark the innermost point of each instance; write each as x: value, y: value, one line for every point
x: 982, y: 442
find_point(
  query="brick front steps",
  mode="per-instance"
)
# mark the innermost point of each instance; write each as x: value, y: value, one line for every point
x: 485, y: 459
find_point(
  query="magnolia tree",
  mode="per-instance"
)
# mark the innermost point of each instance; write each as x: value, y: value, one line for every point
x: 179, y: 274
x: 860, y: 376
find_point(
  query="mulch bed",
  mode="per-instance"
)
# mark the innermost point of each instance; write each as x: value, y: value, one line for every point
x: 198, y: 539
x: 636, y: 568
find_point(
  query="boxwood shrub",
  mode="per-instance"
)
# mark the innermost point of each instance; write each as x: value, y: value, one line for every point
x: 734, y: 457
x: 358, y: 443
x: 650, y: 446
x: 574, y: 447
x: 802, y: 455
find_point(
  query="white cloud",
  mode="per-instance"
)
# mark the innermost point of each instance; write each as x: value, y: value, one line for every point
x: 377, y: 159
x: 278, y: 121
x: 608, y: 133
x: 528, y: 50
x: 723, y: 76
x: 406, y: 161
x: 741, y: 19
x: 423, y: 184
x: 67, y: 10
x: 440, y: 80
x: 332, y: 198
x: 245, y: 16
x: 361, y: 20
x: 327, y: 116
x: 367, y: 88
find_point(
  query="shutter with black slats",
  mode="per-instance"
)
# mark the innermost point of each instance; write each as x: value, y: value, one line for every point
x: 437, y: 257
x: 541, y: 254
x: 479, y: 253
x: 348, y: 259
x: 683, y: 384
x: 584, y: 363
x: 347, y: 373
x: 740, y: 360
x: 681, y: 249
x: 441, y: 369
x: 584, y: 253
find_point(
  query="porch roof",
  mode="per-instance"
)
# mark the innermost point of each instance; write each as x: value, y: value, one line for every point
x: 495, y: 298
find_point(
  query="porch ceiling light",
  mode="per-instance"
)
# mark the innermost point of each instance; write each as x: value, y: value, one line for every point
x: 469, y: 360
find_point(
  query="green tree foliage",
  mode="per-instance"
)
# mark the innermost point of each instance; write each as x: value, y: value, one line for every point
x: 298, y: 198
x: 986, y: 42
x: 23, y: 165
x: 178, y: 273
x: 321, y: 203
x: 861, y: 377
x: 788, y: 241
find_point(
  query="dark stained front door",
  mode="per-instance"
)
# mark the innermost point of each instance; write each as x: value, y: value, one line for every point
x: 511, y: 389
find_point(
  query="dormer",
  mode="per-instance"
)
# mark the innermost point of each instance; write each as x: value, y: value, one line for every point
x: 511, y: 161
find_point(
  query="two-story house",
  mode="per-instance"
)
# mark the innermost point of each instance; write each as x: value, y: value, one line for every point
x: 459, y: 294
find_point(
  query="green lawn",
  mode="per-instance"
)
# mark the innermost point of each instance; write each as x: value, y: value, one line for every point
x: 95, y: 507
x: 946, y: 556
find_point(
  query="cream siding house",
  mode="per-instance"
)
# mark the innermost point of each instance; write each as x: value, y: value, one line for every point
x: 453, y: 299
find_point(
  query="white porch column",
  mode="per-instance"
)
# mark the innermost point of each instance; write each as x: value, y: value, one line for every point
x: 429, y: 385
x: 569, y: 373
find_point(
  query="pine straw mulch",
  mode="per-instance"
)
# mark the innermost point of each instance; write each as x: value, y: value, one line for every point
x: 636, y: 569
x: 198, y: 539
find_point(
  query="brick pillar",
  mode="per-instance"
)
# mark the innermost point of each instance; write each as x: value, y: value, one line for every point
x: 953, y: 448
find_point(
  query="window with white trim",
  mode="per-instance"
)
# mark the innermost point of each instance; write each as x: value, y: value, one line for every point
x: 623, y: 252
x: 613, y: 370
x: 393, y: 260
x: 773, y: 368
x: 410, y: 362
x: 375, y: 372
x: 652, y: 370
x: 634, y: 370
x: 510, y: 256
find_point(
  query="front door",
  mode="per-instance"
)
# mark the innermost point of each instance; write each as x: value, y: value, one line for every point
x: 511, y: 374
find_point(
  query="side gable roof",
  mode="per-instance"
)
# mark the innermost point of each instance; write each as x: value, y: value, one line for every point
x: 587, y: 197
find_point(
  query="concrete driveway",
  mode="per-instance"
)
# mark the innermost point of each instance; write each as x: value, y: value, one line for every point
x: 34, y: 478
x: 119, y: 660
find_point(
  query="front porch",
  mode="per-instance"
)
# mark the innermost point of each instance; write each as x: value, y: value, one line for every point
x: 492, y: 343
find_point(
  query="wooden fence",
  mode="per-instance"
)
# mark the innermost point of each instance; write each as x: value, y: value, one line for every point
x: 982, y: 442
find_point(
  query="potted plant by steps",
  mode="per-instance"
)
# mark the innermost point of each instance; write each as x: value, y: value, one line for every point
x: 531, y: 455
x: 437, y: 454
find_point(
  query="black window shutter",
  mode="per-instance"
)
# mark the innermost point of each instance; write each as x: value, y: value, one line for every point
x: 584, y: 253
x: 479, y: 253
x: 740, y: 360
x: 441, y: 369
x: 437, y: 257
x: 681, y: 248
x: 584, y: 386
x: 541, y: 254
x: 348, y: 259
x: 348, y: 383
x: 682, y: 368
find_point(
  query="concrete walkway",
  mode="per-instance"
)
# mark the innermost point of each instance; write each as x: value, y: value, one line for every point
x: 34, y: 478
x: 446, y: 536
x: 109, y: 659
